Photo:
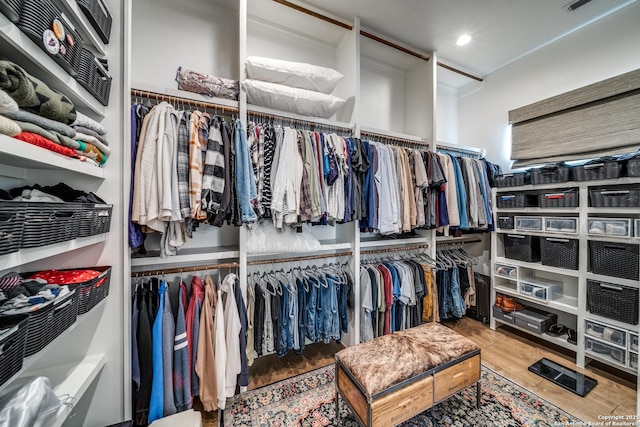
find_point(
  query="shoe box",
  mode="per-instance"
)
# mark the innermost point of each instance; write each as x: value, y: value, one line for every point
x: 534, y: 320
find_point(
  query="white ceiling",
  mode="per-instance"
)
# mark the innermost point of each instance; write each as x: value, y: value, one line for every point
x: 502, y: 30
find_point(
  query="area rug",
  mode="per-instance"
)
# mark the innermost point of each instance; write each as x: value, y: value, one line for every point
x: 307, y: 400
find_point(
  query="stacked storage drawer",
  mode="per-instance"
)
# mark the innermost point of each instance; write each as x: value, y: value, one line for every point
x: 611, y: 343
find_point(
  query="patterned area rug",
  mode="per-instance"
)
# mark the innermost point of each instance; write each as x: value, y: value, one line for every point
x: 308, y: 401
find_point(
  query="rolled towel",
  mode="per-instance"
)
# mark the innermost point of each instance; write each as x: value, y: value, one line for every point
x: 93, y: 141
x: 88, y: 122
x: 91, y: 132
x: 7, y: 103
x: 44, y: 123
x: 33, y: 95
x: 9, y: 127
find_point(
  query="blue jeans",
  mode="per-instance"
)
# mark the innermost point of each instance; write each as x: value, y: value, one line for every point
x: 331, y: 317
x: 302, y: 312
x: 285, y: 332
x: 312, y: 302
x: 343, y: 294
x: 245, y: 180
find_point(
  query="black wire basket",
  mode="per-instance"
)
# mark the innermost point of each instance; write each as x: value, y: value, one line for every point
x: 562, y: 253
x: 614, y: 259
x: 614, y: 198
x: 613, y: 301
x: 93, y: 77
x: 559, y: 199
x: 515, y: 179
x: 11, y: 224
x: 12, y: 344
x: 550, y: 174
x: 11, y: 9
x: 47, y: 223
x: 94, y: 219
x: 505, y: 222
x: 98, y: 14
x: 605, y: 169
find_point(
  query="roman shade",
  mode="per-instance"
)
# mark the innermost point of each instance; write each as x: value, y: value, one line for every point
x: 597, y: 120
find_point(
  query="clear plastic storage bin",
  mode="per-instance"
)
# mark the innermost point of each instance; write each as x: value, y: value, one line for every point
x: 605, y: 351
x: 544, y: 291
x: 618, y: 227
x: 508, y: 271
x: 606, y: 333
x: 528, y: 223
x: 561, y: 225
x: 633, y: 342
x: 633, y: 361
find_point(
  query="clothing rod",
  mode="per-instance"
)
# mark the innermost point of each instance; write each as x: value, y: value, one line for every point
x: 185, y: 269
x: 443, y: 245
x: 405, y: 248
x: 296, y: 259
x: 393, y: 138
x: 285, y: 119
x: 180, y: 100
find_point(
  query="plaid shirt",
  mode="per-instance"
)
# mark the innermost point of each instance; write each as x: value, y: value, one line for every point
x: 198, y: 133
x: 306, y: 211
x: 183, y: 166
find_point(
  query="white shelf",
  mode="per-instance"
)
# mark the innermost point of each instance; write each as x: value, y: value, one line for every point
x: 72, y: 380
x: 184, y: 94
x: 83, y: 26
x: 537, y: 266
x: 391, y: 134
x: 610, y: 361
x: 325, y: 246
x: 25, y: 256
x: 560, y: 341
x: 613, y: 280
x: 29, y: 361
x: 41, y: 65
x: 538, y: 233
x: 572, y: 184
x: 185, y: 256
x: 286, y: 114
x: 565, y: 304
x: 20, y: 154
x: 611, y: 322
x: 617, y: 211
x: 551, y: 211
x: 614, y: 239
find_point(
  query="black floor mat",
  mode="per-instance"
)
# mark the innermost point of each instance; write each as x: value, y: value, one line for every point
x: 569, y: 379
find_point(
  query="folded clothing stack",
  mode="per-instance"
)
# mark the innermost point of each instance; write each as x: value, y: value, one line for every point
x: 34, y: 113
x: 19, y: 295
x: 292, y: 86
x: 58, y: 193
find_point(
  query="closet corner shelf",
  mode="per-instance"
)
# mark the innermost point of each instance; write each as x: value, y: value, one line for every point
x: 559, y: 341
x: 286, y: 115
x: 73, y: 380
x: 186, y: 256
x: 183, y: 94
x: 30, y: 361
x: 565, y: 304
x: 611, y: 322
x: 85, y: 28
x: 16, y: 153
x: 537, y: 266
x: 25, y: 256
x: 16, y: 42
x: 613, y: 280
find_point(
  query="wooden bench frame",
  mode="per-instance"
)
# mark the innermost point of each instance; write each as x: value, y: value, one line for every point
x: 354, y: 393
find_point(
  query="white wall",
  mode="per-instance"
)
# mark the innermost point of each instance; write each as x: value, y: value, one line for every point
x: 601, y: 50
x: 447, y: 115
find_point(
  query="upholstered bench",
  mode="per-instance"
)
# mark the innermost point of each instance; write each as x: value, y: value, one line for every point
x: 394, y: 377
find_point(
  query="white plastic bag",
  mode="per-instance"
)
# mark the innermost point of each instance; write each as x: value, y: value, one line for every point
x: 29, y: 402
x: 264, y: 238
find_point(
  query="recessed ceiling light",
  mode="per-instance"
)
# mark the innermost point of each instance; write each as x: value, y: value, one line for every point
x: 463, y: 39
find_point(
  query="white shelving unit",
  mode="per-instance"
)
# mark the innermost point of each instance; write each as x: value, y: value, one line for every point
x: 77, y: 361
x: 571, y: 307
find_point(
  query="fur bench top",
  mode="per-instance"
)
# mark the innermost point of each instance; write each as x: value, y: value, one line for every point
x: 391, y: 359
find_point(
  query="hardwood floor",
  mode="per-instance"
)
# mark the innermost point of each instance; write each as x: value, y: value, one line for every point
x: 507, y: 352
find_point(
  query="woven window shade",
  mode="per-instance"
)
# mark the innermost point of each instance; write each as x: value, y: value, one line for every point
x: 597, y: 120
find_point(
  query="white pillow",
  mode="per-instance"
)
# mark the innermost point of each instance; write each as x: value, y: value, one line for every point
x: 291, y: 99
x: 294, y: 74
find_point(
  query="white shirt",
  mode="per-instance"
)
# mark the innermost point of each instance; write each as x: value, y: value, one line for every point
x: 232, y: 334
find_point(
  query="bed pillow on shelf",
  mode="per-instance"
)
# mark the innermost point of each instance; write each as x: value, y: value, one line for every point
x: 293, y: 74
x: 291, y: 99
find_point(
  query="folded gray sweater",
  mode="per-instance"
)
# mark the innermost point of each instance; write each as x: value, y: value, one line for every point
x: 44, y: 123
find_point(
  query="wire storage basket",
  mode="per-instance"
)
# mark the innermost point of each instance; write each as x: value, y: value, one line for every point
x: 94, y: 219
x: 550, y: 174
x: 614, y: 198
x: 614, y: 259
x: 99, y: 16
x: 93, y: 77
x: 613, y: 301
x: 561, y: 253
x: 515, y: 179
x: 559, y: 199
x: 598, y: 169
x: 516, y: 200
x: 12, y: 342
x: 12, y: 216
x: 11, y: 9
x: 47, y: 223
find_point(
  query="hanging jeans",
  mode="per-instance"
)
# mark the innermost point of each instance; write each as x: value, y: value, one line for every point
x: 312, y: 302
x: 245, y: 180
x: 302, y: 312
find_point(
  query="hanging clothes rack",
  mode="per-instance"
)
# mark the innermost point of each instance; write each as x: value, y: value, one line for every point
x: 402, y: 249
x: 392, y: 140
x: 185, y: 269
x: 456, y: 244
x: 296, y: 259
x: 172, y: 99
x: 465, y: 152
x: 302, y: 124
